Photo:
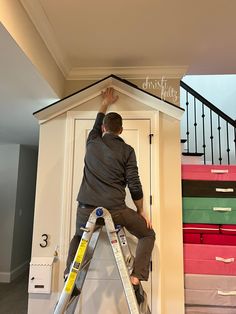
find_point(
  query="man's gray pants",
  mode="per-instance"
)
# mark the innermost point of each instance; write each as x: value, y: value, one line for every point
x: 134, y: 223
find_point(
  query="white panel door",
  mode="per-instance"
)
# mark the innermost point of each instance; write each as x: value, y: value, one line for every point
x: 103, y: 292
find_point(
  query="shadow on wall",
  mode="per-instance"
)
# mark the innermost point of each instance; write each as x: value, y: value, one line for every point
x: 18, y: 167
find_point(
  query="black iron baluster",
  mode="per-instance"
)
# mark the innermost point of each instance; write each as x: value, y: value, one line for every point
x: 219, y: 134
x: 211, y: 137
x: 187, y: 115
x: 227, y: 141
x: 227, y: 135
x: 195, y: 124
x: 203, y: 134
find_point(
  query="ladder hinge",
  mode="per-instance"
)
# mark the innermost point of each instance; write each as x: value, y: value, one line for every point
x: 150, y: 138
x: 150, y: 199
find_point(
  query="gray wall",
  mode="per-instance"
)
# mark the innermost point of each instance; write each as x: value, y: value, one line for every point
x: 24, y: 212
x: 17, y: 189
x: 9, y: 159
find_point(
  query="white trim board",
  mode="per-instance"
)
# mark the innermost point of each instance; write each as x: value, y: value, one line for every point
x: 138, y: 72
x: 94, y: 90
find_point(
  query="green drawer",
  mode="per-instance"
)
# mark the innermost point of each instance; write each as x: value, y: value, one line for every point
x: 209, y: 210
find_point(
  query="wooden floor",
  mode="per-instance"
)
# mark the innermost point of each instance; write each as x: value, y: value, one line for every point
x: 14, y: 296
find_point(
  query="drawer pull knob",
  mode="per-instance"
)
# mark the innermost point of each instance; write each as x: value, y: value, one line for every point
x: 219, y: 171
x: 229, y: 190
x: 222, y: 209
x: 233, y: 292
x: 225, y: 260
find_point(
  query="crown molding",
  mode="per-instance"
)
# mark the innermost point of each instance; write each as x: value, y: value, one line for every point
x: 39, y: 19
x: 139, y: 72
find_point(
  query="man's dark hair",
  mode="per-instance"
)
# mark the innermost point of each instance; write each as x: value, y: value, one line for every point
x: 113, y: 122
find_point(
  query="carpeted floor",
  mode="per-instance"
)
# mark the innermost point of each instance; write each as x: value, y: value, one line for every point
x: 14, y: 296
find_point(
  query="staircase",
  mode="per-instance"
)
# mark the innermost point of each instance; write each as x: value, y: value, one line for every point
x: 208, y: 131
x: 209, y: 207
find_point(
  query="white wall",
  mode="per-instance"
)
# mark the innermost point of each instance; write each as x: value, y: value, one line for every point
x: 17, y: 189
x: 9, y: 157
x: 218, y: 89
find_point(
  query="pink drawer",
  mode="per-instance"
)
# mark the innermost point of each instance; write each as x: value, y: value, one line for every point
x: 209, y: 259
x: 209, y: 310
x: 209, y: 172
x: 210, y: 290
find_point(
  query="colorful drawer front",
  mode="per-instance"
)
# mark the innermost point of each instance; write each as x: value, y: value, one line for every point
x: 218, y: 239
x: 209, y: 310
x: 209, y: 210
x: 228, y: 229
x: 210, y: 290
x: 214, y: 239
x: 201, y: 228
x: 193, y: 233
x: 192, y: 238
x: 209, y: 259
x: 209, y: 188
x: 209, y: 172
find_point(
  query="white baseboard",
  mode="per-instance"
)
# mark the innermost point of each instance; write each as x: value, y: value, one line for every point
x: 19, y: 270
x: 5, y: 276
x: 13, y: 274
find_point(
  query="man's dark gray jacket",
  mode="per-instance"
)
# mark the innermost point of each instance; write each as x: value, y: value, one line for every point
x: 109, y: 165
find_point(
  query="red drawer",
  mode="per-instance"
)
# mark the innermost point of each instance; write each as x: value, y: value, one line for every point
x: 192, y: 238
x: 219, y: 239
x: 201, y: 228
x: 228, y: 229
x: 209, y: 172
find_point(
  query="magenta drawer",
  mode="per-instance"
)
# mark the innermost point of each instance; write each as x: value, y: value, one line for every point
x: 209, y: 259
x: 209, y: 172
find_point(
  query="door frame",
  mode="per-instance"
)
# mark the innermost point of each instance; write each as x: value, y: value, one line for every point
x: 66, y: 213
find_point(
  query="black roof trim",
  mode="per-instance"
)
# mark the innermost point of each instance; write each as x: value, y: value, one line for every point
x: 105, y: 78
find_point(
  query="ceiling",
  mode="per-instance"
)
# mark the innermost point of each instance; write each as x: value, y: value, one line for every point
x: 92, y: 35
x: 105, y: 33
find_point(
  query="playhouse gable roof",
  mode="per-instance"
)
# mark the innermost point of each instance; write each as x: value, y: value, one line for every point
x: 94, y: 90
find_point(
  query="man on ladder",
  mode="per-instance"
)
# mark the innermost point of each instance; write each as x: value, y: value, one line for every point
x: 110, y: 165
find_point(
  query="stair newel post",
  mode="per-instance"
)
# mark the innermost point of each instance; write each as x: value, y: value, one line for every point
x: 227, y: 141
x: 195, y: 124
x: 203, y: 134
x: 211, y: 138
x: 219, y: 138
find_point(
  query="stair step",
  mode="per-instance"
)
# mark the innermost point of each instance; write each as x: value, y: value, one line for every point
x: 193, y: 154
x: 192, y: 158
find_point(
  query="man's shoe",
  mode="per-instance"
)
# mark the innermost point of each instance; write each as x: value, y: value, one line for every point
x: 138, y: 293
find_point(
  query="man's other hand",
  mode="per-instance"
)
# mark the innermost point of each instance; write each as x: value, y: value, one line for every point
x: 148, y: 222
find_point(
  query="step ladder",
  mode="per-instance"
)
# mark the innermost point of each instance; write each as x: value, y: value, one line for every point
x: 124, y: 259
